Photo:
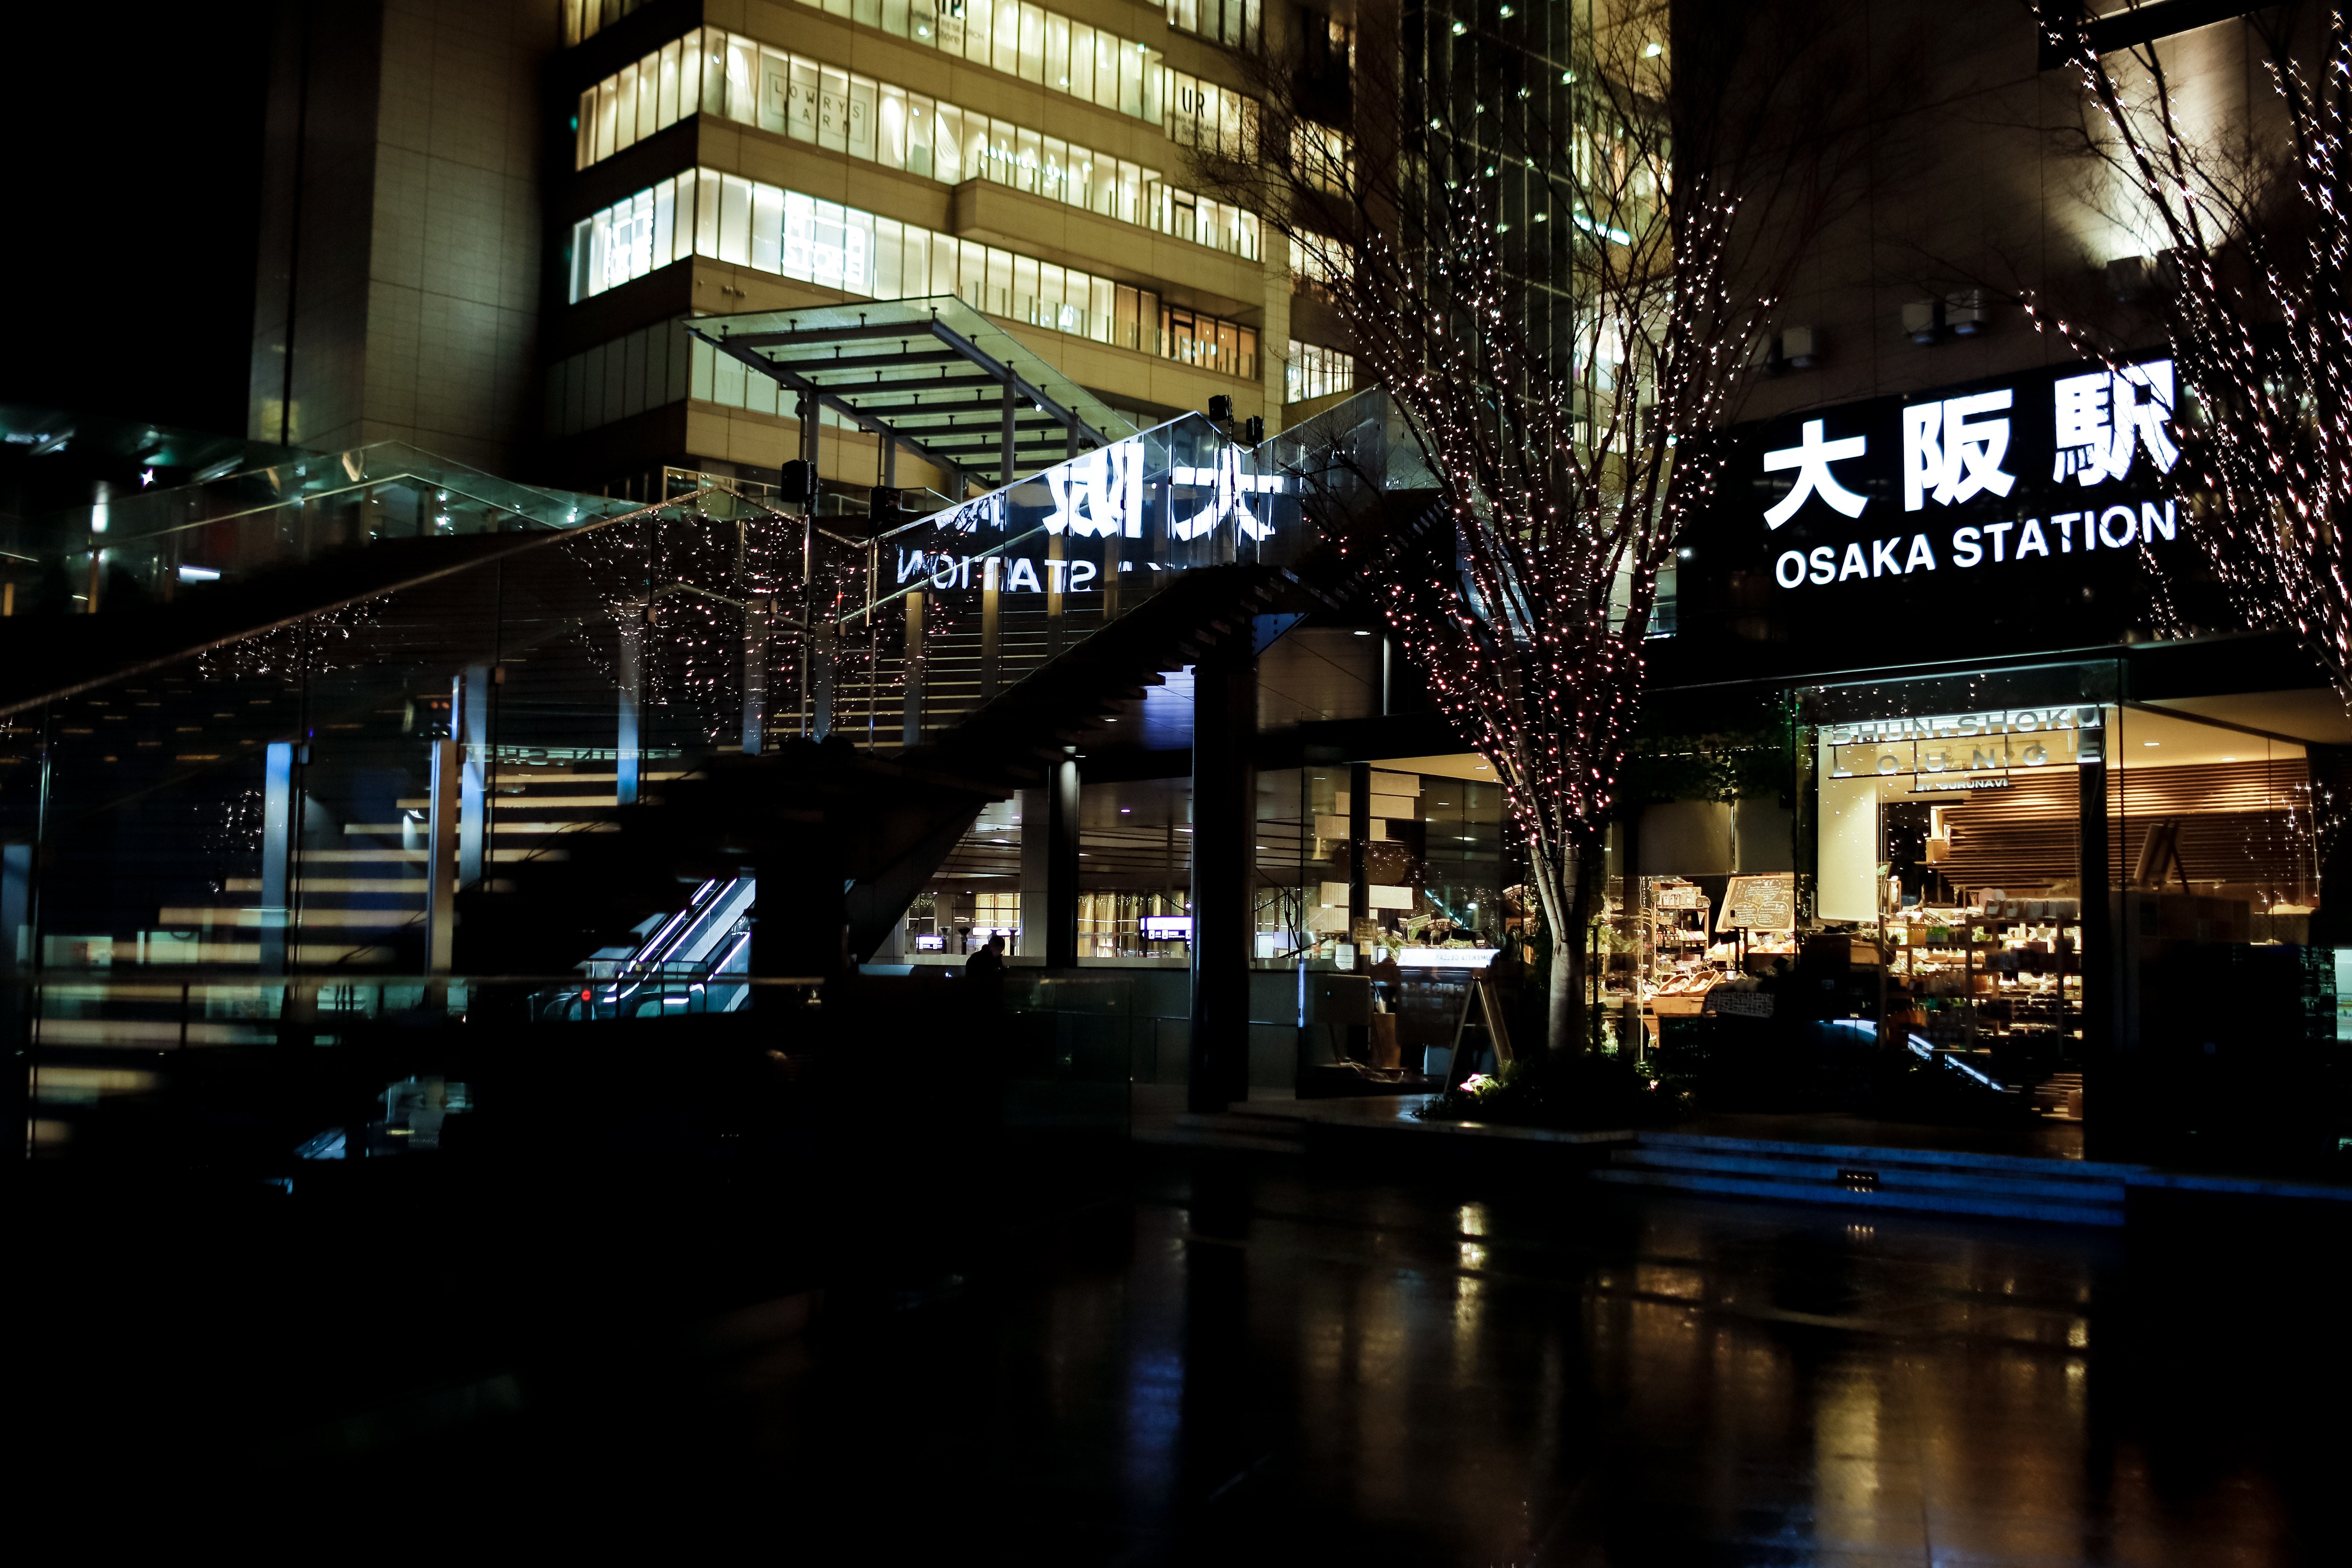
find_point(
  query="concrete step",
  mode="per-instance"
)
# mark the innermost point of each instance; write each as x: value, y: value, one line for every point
x: 1927, y: 1181
x: 1986, y: 1205
x: 1230, y: 1133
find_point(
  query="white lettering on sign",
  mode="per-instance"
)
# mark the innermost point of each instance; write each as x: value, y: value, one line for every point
x: 942, y: 571
x: 2105, y: 418
x: 1098, y: 494
x: 2117, y: 528
x: 1812, y: 458
x: 1951, y: 456
x: 1229, y: 492
x: 1958, y: 726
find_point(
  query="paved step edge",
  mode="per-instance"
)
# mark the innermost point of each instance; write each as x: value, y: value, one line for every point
x: 1212, y: 1138
x: 2101, y: 1189
x: 1922, y: 1202
x: 1951, y: 1159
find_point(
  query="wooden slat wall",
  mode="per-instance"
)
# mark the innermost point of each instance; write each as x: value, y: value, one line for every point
x: 2021, y: 836
x: 2241, y: 822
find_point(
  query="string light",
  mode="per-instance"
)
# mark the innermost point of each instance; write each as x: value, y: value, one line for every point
x: 1553, y: 378
x: 2256, y: 302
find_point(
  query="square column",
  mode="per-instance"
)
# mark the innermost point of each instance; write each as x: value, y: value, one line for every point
x: 1225, y: 865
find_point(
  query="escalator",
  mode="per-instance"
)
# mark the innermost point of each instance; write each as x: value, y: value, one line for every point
x: 1188, y: 545
x: 399, y: 779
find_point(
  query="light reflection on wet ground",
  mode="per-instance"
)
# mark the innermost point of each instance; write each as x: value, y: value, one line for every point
x: 1287, y: 1369
x: 1272, y: 1364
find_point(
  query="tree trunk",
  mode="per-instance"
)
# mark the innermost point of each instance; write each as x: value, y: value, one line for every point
x: 1584, y: 867
x: 1565, y: 912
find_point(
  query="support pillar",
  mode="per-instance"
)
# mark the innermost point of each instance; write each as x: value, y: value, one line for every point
x: 441, y: 857
x: 2107, y: 1099
x: 1004, y: 439
x: 1058, y: 577
x: 758, y: 621
x: 820, y: 644
x: 799, y: 919
x: 911, y: 731
x: 1061, y: 827
x: 1359, y: 835
x: 276, y: 854
x: 629, y: 668
x: 469, y: 716
x: 1224, y: 825
x: 1037, y: 876
x: 991, y: 646
x: 17, y: 967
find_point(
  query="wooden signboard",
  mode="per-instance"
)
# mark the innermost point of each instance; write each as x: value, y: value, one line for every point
x: 1760, y: 903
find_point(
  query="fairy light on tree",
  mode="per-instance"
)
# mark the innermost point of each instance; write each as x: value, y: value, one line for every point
x: 2253, y: 265
x: 2244, y: 215
x: 1554, y: 248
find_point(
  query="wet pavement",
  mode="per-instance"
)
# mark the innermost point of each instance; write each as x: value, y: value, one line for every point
x: 1224, y: 1361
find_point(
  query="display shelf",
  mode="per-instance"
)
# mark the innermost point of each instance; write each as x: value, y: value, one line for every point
x: 1967, y: 979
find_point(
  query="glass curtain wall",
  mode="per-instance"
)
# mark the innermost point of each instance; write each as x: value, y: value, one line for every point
x: 718, y: 73
x: 757, y: 224
x: 2029, y: 876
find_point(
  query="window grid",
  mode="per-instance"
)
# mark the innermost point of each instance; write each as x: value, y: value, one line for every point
x: 1237, y: 24
x: 712, y: 71
x: 1313, y: 371
x: 758, y: 225
x: 1020, y: 39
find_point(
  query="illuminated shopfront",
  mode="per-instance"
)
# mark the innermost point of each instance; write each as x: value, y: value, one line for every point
x: 2057, y: 822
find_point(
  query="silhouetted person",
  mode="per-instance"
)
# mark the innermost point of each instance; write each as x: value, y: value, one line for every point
x: 987, y: 965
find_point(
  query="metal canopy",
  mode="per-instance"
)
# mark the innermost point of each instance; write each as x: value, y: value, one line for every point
x: 932, y: 376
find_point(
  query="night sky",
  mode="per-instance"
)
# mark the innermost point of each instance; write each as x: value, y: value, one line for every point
x: 135, y: 144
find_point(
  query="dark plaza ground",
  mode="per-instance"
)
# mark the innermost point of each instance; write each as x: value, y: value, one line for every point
x: 1207, y: 1358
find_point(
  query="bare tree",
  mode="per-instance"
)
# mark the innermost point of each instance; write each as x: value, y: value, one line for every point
x: 1556, y: 251
x: 2244, y: 215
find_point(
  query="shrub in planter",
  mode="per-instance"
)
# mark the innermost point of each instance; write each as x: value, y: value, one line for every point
x: 1559, y: 1090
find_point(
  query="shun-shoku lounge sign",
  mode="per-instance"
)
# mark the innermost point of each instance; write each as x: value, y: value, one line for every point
x: 2047, y: 473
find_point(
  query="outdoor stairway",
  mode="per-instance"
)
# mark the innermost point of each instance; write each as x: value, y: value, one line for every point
x: 1923, y: 1181
x: 880, y: 822
x: 2060, y: 1097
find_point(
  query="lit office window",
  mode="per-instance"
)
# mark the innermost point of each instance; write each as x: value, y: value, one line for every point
x: 1236, y: 23
x: 585, y: 18
x: 1313, y: 371
x: 1029, y: 42
x: 712, y: 72
x: 760, y: 226
x: 1202, y: 114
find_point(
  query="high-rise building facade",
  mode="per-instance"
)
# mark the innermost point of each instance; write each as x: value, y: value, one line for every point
x: 483, y: 233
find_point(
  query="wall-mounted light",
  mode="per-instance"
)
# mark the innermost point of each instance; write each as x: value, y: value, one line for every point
x: 1651, y: 51
x: 1923, y: 320
x: 1966, y: 314
x: 1800, y: 347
